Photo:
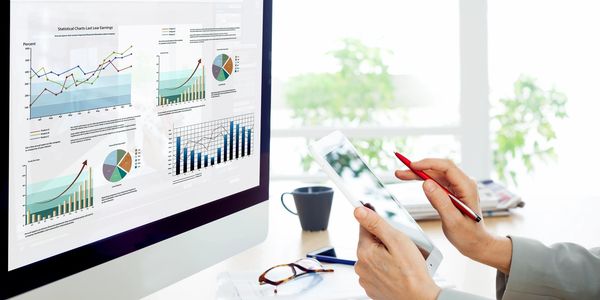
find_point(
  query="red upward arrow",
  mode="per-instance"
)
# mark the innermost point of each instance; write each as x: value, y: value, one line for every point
x: 186, y: 81
x: 70, y: 185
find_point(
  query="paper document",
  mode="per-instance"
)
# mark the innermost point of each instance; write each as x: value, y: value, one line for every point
x: 494, y: 199
x: 340, y: 284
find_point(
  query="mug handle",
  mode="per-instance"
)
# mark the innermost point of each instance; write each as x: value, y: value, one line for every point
x: 283, y: 202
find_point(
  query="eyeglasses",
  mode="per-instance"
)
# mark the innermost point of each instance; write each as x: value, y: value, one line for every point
x: 281, y: 274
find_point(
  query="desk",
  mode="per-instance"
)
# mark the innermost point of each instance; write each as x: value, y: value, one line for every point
x: 543, y: 218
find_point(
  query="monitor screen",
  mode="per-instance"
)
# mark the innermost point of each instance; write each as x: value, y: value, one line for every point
x: 129, y: 123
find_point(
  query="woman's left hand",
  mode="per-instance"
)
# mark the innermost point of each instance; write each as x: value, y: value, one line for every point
x: 389, y: 264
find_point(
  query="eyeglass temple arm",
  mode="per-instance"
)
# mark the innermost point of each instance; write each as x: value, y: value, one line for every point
x: 310, y: 270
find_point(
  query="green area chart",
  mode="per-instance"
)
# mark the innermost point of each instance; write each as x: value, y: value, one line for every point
x: 59, y: 196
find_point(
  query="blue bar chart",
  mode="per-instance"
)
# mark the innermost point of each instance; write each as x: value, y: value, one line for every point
x: 207, y: 144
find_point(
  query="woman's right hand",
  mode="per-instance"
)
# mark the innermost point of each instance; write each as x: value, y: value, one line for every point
x: 471, y: 238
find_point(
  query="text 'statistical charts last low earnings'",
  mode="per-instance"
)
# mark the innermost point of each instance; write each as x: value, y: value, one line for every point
x: 80, y: 87
x: 204, y: 145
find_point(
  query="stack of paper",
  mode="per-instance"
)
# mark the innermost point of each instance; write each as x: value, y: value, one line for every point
x: 495, y: 199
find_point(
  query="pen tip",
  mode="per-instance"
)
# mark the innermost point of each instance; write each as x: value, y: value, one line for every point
x: 403, y: 159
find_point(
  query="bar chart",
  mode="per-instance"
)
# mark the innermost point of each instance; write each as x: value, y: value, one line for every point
x: 59, y: 196
x: 205, y: 145
x: 177, y: 86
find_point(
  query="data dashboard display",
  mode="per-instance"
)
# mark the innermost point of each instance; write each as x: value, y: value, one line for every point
x: 124, y: 113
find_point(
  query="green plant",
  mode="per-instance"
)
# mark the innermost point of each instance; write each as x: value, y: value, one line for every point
x: 353, y: 95
x: 525, y: 132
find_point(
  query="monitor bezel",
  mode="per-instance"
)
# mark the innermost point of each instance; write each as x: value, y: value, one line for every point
x: 54, y: 268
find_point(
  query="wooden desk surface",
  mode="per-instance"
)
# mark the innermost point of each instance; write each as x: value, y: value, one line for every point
x: 544, y: 218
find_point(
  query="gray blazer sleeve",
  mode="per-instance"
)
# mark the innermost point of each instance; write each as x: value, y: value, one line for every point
x: 561, y: 271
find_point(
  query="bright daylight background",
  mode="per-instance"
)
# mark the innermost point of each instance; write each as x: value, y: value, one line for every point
x: 557, y: 42
x: 404, y: 91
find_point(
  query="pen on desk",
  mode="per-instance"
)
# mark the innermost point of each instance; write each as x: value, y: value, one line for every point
x: 457, y: 203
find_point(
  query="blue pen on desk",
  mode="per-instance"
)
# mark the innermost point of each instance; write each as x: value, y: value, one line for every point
x: 333, y: 260
x: 329, y: 255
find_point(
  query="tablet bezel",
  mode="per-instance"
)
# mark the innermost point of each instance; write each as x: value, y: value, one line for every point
x: 320, y: 148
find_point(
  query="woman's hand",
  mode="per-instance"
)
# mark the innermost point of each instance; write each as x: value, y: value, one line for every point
x: 469, y: 237
x: 389, y: 264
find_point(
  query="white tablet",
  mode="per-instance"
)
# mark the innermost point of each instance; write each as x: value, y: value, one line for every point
x: 342, y: 163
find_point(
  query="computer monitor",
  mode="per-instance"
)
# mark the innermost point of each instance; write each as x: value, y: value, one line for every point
x: 138, y: 143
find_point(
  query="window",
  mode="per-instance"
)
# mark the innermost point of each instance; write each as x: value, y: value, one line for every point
x: 389, y: 74
x: 554, y: 42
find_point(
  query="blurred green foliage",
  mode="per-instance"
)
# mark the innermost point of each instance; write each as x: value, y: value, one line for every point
x: 525, y: 133
x: 361, y: 85
x: 351, y: 96
x: 361, y: 89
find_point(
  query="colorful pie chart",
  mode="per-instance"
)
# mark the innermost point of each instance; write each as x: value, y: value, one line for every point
x: 117, y: 165
x: 222, y: 67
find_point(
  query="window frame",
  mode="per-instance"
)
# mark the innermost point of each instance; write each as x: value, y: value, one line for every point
x: 473, y: 130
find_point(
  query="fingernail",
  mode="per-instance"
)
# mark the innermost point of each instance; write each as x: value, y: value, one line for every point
x: 430, y: 186
x: 361, y: 212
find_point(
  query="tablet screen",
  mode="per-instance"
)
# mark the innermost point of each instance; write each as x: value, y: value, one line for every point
x: 367, y: 188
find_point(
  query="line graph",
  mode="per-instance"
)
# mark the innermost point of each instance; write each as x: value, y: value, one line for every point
x: 204, y: 145
x: 179, y: 86
x: 59, y: 196
x: 78, y: 88
x: 188, y: 79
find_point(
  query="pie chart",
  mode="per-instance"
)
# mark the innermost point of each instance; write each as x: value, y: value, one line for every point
x: 117, y: 165
x: 222, y: 67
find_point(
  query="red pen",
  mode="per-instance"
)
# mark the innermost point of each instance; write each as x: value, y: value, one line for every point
x: 459, y: 204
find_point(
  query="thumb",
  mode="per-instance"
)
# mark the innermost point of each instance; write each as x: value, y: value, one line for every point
x: 374, y: 224
x: 440, y: 200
